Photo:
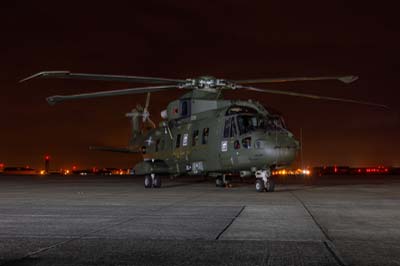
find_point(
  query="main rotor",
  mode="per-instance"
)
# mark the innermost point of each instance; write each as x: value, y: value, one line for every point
x: 208, y: 84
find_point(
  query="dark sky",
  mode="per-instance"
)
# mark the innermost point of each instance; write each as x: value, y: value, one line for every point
x: 180, y: 39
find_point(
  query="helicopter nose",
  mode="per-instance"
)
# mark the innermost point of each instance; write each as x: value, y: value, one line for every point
x: 282, y: 150
x: 286, y: 152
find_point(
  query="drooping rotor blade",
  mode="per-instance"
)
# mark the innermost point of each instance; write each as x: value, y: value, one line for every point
x: 311, y: 96
x: 59, y: 98
x: 120, y: 78
x: 113, y: 149
x: 147, y: 101
x: 345, y: 79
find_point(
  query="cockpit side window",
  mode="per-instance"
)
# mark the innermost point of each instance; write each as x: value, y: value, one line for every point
x: 275, y: 123
x: 233, y: 128
x: 227, y: 128
x: 246, y: 124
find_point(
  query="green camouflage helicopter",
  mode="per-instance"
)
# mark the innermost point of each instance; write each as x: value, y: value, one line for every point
x: 202, y: 133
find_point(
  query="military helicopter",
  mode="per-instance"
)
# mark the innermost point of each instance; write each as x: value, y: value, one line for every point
x: 201, y: 133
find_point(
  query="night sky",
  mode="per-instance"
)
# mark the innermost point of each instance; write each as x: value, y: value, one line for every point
x: 181, y: 39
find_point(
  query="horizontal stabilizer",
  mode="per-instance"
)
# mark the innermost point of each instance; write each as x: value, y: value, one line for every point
x: 113, y: 149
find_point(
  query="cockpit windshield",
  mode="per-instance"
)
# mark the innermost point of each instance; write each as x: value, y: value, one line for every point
x: 249, y: 123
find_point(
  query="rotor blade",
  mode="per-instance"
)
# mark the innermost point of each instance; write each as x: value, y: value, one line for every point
x: 345, y: 79
x: 311, y: 96
x: 113, y: 149
x: 120, y: 78
x: 151, y: 122
x: 147, y: 101
x: 59, y: 98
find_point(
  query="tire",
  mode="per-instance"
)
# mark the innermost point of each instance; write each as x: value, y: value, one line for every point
x: 148, y: 181
x: 157, y: 181
x: 270, y: 186
x: 260, y: 185
x: 219, y: 182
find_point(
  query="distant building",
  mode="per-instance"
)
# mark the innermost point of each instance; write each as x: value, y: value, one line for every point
x: 19, y: 171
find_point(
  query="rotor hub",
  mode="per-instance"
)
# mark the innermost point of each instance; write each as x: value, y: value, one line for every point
x: 207, y: 83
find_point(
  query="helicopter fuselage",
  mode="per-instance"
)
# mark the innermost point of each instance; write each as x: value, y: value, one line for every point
x: 214, y: 137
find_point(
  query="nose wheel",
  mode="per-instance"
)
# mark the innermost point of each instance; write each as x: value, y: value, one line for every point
x: 152, y: 181
x: 264, y: 181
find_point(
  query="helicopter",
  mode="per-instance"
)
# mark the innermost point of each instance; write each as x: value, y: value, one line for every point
x: 201, y: 133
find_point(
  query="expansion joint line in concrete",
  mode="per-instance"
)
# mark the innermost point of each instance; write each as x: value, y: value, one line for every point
x: 41, y: 250
x: 328, y: 243
x: 230, y: 223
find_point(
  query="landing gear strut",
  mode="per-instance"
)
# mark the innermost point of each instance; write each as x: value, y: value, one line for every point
x: 152, y: 180
x: 264, y: 181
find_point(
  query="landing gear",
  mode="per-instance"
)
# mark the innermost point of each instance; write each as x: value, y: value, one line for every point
x: 270, y: 185
x: 264, y: 181
x: 148, y: 181
x: 260, y: 185
x: 222, y: 181
x: 152, y: 180
x: 157, y: 181
x: 219, y: 182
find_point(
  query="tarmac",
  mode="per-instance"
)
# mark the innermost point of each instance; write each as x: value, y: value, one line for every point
x: 77, y: 220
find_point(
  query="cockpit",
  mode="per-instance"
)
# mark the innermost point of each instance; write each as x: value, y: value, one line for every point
x: 248, y: 120
x: 248, y: 123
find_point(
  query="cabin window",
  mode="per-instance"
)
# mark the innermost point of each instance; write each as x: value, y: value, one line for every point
x: 246, y: 142
x: 205, y: 135
x: 185, y: 140
x: 236, y: 145
x: 178, y: 141
x: 195, y: 137
x: 184, y: 108
x: 157, y: 145
x: 143, y: 149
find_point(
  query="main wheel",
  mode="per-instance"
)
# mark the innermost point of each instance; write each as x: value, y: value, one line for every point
x: 148, y: 181
x: 260, y: 185
x: 219, y: 182
x: 270, y: 185
x: 157, y: 181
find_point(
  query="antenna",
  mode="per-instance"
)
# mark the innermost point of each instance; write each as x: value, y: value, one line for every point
x: 301, y: 148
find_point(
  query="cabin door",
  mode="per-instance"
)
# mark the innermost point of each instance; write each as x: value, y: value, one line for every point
x: 227, y: 151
